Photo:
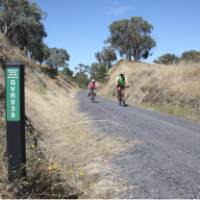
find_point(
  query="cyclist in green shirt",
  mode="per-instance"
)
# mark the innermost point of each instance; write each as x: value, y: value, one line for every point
x: 121, y: 84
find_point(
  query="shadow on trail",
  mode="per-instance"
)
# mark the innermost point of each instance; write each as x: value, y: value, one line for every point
x: 97, y: 102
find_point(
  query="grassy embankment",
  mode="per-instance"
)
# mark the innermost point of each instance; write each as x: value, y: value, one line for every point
x: 170, y: 89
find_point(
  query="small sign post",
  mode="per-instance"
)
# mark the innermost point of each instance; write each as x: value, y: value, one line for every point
x: 15, y: 120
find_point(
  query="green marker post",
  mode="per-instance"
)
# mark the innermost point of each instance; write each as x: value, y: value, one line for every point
x: 15, y: 120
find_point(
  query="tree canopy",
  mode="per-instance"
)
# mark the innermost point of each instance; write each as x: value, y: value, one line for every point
x: 106, y: 56
x: 167, y: 59
x: 67, y: 71
x: 99, y: 72
x: 131, y: 37
x: 191, y: 56
x: 81, y: 76
x: 57, y: 57
x: 21, y: 23
x: 40, y: 52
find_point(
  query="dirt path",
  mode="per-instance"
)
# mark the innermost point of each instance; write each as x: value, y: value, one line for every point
x: 165, y: 161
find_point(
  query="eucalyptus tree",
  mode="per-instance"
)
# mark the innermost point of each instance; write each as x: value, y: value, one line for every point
x: 131, y: 37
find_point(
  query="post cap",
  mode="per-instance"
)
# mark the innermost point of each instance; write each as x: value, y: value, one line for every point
x: 14, y: 64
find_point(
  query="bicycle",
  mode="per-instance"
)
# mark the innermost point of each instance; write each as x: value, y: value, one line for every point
x: 92, y: 95
x: 121, y: 95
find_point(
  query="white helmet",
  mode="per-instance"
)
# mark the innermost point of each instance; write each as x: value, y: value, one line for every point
x: 93, y: 80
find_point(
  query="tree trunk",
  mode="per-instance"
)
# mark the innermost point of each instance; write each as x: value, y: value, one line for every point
x: 136, y: 58
x: 128, y: 57
x: 109, y: 65
x: 135, y: 55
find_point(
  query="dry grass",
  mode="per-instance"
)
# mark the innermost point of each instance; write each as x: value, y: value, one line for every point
x: 158, y: 85
x: 3, y: 168
x: 43, y: 180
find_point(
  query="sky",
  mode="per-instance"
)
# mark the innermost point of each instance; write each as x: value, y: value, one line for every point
x: 81, y: 26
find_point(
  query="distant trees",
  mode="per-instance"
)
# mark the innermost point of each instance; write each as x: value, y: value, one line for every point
x: 167, y: 59
x: 81, y: 75
x: 131, y: 37
x: 57, y: 58
x: 21, y: 23
x: 106, y: 56
x: 191, y: 56
x: 99, y: 72
x: 67, y: 71
x: 99, y: 69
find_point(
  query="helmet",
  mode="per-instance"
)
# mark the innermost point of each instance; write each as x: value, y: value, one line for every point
x: 93, y: 80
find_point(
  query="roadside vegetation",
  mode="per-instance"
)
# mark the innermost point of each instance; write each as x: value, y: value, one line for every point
x: 173, y: 89
x: 43, y: 181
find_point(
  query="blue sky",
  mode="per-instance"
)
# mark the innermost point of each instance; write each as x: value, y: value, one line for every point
x: 81, y: 26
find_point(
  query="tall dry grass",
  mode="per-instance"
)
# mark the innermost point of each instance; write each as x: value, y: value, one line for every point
x: 43, y: 180
x: 157, y: 85
x: 3, y: 166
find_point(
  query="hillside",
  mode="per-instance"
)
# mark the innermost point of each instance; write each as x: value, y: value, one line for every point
x: 40, y: 90
x: 172, y: 89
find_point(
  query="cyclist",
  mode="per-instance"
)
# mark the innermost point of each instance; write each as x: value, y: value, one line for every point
x: 121, y: 84
x: 92, y: 87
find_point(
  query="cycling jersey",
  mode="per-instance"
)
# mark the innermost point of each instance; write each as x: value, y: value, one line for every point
x: 121, y: 82
x: 92, y: 86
